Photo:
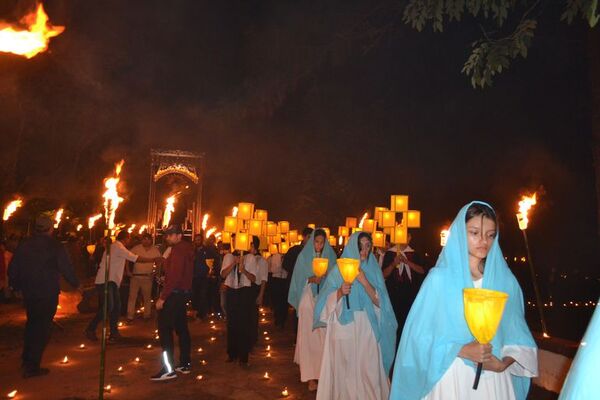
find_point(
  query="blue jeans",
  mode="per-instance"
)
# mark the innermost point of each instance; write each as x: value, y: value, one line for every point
x: 113, y: 309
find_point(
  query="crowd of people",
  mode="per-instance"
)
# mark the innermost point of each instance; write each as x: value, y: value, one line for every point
x: 397, y: 331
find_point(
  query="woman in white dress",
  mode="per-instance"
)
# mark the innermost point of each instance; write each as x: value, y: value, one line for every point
x: 361, y: 333
x: 304, y: 288
x: 437, y: 355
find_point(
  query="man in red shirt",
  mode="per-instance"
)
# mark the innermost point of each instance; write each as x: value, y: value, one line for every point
x: 171, y: 305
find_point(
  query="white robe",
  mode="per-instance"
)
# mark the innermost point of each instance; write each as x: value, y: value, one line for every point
x: 309, y: 341
x: 352, y: 367
x: 457, y: 382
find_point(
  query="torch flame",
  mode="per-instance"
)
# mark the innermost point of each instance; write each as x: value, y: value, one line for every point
x: 142, y: 229
x: 92, y: 220
x: 526, y: 203
x: 234, y: 211
x: 362, y: 220
x: 11, y: 208
x: 32, y: 40
x: 79, y: 227
x: 131, y: 228
x: 58, y: 217
x: 205, y: 222
x: 12, y: 394
x: 210, y: 231
x: 169, y: 209
x: 340, y: 240
x: 111, y: 196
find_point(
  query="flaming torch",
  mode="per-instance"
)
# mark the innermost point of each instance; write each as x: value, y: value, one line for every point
x: 362, y: 220
x: 58, y: 217
x: 234, y: 211
x: 204, y: 222
x: 525, y: 205
x: 32, y: 40
x: 210, y: 231
x: 169, y: 209
x: 92, y: 222
x: 11, y: 208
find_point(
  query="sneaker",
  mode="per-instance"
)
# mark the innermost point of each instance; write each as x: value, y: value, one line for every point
x: 164, y: 375
x: 91, y: 335
x: 185, y: 368
x: 30, y: 373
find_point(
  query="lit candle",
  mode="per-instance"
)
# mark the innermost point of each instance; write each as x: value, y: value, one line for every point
x: 203, y: 362
x: 263, y: 320
x: 120, y: 369
x: 212, y: 322
x: 265, y: 333
x: 267, y: 338
x: 149, y: 346
x: 269, y: 347
x: 137, y: 360
x: 120, y: 324
x: 266, y: 376
x: 285, y: 392
x: 65, y: 360
x: 212, y: 339
x: 82, y: 346
x: 107, y: 388
x: 200, y: 350
x: 269, y: 354
x: 199, y: 377
x: 12, y: 394
x: 156, y: 337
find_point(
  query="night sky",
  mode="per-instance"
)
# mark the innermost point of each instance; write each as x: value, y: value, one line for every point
x: 301, y: 112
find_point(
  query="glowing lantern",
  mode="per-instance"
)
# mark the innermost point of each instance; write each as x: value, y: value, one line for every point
x: 351, y: 222
x: 349, y: 269
x: 413, y: 219
x: 276, y: 239
x: 399, y: 203
x: 377, y: 214
x: 399, y: 235
x: 283, y: 247
x: 343, y: 231
x: 264, y: 243
x: 261, y: 215
x: 90, y: 248
x: 379, y: 239
x: 320, y: 266
x: 369, y: 225
x: 483, y: 312
x: 293, y: 236
x: 245, y: 211
x: 273, y: 249
x: 230, y: 225
x: 226, y: 237
x: 388, y: 219
x: 284, y: 227
x: 332, y: 241
x: 242, y: 241
x: 255, y: 227
x: 271, y: 228
x: 444, y: 237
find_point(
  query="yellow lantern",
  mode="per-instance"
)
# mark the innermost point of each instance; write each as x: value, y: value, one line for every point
x: 379, y: 239
x: 225, y: 237
x: 369, y: 225
x: 351, y: 222
x: 399, y: 235
x: 388, y: 219
x: 276, y: 239
x: 273, y: 249
x: 388, y: 231
x: 271, y: 228
x: 343, y: 231
x: 91, y: 248
x: 399, y: 203
x: 230, y: 225
x: 413, y: 219
x: 483, y: 312
x: 355, y: 230
x: 332, y: 241
x: 349, y: 269
x: 283, y: 247
x: 293, y: 236
x: 242, y: 241
x: 261, y: 215
x: 377, y: 214
x: 320, y: 266
x: 245, y: 211
x: 255, y: 227
x: 264, y: 243
x: 284, y: 227
x: 312, y: 226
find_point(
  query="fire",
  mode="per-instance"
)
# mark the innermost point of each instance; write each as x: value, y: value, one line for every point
x: 204, y: 222
x: 210, y: 231
x: 79, y: 227
x: 58, y: 217
x: 33, y: 39
x: 169, y: 209
x: 362, y: 220
x: 340, y: 240
x: 142, y: 229
x: 11, y: 208
x: 111, y: 196
x: 131, y: 228
x: 92, y: 220
x: 12, y: 394
x: 525, y: 205
x: 234, y: 212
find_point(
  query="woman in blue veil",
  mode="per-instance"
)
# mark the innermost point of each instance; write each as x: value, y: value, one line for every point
x: 360, y: 339
x: 437, y: 355
x: 304, y: 288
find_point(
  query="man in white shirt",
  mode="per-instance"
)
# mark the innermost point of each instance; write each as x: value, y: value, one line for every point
x: 239, y: 276
x: 141, y: 277
x: 278, y: 286
x: 259, y: 286
x: 117, y: 257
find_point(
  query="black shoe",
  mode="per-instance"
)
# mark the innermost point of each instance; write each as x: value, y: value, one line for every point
x: 185, y: 368
x: 91, y: 335
x: 164, y: 375
x: 30, y: 373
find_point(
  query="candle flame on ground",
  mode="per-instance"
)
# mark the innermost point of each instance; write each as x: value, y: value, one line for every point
x: 65, y: 360
x: 169, y: 209
x: 11, y: 208
x: 32, y: 40
x: 111, y: 195
x: 12, y: 394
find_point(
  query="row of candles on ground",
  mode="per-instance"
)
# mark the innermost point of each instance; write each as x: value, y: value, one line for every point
x: 589, y: 303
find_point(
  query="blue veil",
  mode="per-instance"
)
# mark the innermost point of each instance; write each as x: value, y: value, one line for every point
x: 383, y: 327
x: 436, y: 328
x: 304, y: 270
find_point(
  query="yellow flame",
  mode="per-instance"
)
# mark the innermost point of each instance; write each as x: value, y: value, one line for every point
x: 340, y: 240
x: 58, y: 217
x: 11, y: 208
x: 79, y: 227
x: 362, y: 220
x: 205, y: 222
x: 210, y: 231
x: 525, y: 205
x: 92, y: 220
x: 131, y: 228
x: 111, y: 196
x: 234, y: 211
x: 169, y: 209
x: 142, y: 229
x: 33, y: 39
x: 12, y: 394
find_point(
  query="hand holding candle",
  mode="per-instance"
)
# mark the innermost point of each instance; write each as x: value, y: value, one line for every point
x: 320, y: 266
x: 349, y: 269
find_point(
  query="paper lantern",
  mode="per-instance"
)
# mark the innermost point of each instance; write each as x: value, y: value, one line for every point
x: 332, y: 241
x: 349, y: 268
x: 276, y: 239
x: 343, y: 231
x: 379, y: 239
x: 242, y: 241
x: 255, y: 227
x: 284, y: 226
x: 351, y: 222
x: 293, y: 236
x: 399, y: 203
x: 399, y: 235
x: 413, y: 219
x: 271, y: 228
x: 225, y: 237
x: 230, y: 225
x: 320, y: 266
x: 264, y: 243
x: 91, y: 248
x: 369, y: 225
x: 388, y: 231
x: 245, y: 211
x: 273, y: 249
x: 388, y: 219
x: 377, y: 213
x: 261, y: 215
x: 283, y: 247
x: 312, y: 226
